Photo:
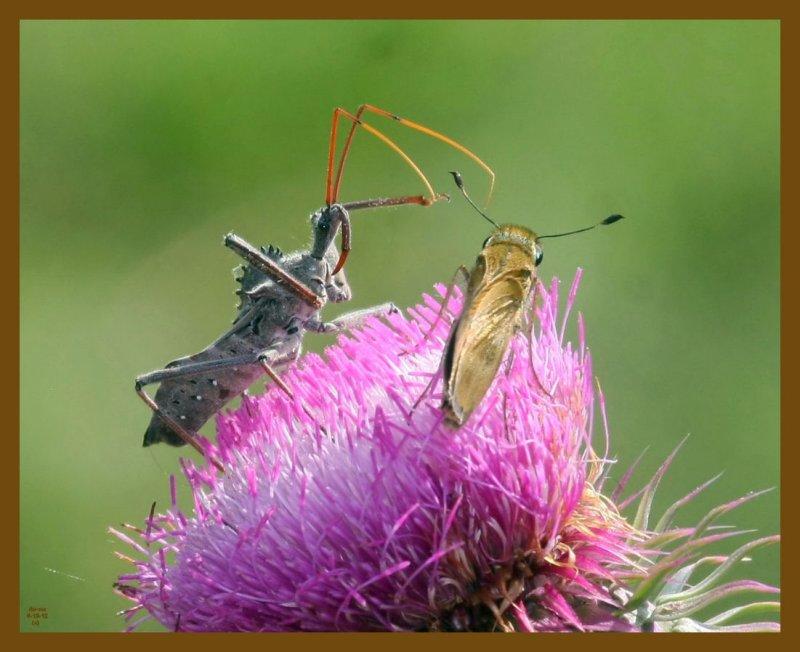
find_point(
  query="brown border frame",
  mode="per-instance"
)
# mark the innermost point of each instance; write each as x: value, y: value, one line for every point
x: 13, y: 12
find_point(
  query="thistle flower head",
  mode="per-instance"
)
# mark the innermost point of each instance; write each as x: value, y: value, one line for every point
x: 352, y: 506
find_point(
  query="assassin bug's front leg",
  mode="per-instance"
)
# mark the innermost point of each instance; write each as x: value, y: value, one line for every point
x: 272, y: 269
x: 354, y: 319
x: 334, y: 186
x: 334, y: 176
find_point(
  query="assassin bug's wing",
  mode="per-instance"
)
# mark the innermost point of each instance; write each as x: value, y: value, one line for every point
x: 480, y: 339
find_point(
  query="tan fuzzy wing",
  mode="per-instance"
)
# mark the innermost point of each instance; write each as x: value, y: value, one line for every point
x: 479, y: 342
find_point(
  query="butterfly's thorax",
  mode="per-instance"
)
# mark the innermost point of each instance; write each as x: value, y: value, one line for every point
x: 512, y: 235
x: 498, y: 288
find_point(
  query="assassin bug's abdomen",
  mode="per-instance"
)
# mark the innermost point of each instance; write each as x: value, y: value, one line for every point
x: 192, y: 401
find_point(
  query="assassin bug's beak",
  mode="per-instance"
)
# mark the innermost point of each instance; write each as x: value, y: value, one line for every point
x: 345, y: 242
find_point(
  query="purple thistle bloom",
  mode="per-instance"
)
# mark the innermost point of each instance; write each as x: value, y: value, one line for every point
x: 352, y: 507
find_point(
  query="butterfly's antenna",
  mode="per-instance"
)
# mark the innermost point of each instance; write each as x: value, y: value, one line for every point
x: 460, y: 184
x: 609, y: 220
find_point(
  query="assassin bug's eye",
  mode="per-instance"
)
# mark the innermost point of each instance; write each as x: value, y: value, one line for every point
x: 539, y: 257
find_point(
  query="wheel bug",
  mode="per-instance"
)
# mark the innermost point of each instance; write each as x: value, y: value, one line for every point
x: 281, y: 298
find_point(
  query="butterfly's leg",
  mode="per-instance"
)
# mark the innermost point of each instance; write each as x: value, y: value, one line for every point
x: 530, y: 341
x: 464, y: 273
x: 425, y: 391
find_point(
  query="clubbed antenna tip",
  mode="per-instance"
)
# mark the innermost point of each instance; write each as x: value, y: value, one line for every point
x: 460, y: 183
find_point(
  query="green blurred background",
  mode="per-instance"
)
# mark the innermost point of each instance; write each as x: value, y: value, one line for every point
x: 142, y: 143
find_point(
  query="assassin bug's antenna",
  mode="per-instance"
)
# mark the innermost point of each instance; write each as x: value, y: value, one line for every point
x: 333, y: 185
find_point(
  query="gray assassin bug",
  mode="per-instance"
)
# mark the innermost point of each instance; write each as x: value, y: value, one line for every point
x: 281, y: 297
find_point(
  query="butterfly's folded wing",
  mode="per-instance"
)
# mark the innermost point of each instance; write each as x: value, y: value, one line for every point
x: 478, y: 343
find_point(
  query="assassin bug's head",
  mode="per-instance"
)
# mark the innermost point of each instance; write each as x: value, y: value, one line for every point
x: 326, y: 223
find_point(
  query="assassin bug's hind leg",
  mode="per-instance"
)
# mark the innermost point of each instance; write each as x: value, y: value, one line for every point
x: 165, y: 428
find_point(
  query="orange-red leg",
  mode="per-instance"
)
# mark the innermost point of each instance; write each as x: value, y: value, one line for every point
x: 332, y: 194
x: 333, y: 191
